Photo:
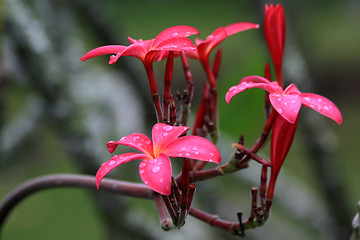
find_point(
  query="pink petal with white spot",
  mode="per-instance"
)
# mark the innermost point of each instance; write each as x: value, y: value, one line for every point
x: 110, y: 49
x: 176, y: 44
x: 194, y: 147
x: 163, y: 133
x: 138, y: 141
x: 114, y: 162
x: 247, y: 83
x: 292, y: 89
x: 175, y: 31
x: 156, y: 174
x: 322, y: 105
x: 287, y: 106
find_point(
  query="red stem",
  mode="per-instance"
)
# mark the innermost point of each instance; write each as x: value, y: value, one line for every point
x: 167, y: 85
x: 154, y: 91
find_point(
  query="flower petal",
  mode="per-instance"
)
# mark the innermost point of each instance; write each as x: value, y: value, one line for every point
x: 109, y: 49
x: 163, y: 133
x: 175, y: 31
x: 194, y: 147
x: 239, y: 27
x: 156, y: 174
x: 138, y: 141
x: 176, y: 44
x: 114, y: 162
x: 247, y: 83
x: 288, y: 106
x: 138, y: 49
x: 322, y: 105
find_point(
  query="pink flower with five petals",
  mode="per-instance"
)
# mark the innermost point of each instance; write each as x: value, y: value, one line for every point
x: 287, y: 102
x: 155, y: 169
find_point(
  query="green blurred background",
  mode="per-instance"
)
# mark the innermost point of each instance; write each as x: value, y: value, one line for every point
x: 57, y: 113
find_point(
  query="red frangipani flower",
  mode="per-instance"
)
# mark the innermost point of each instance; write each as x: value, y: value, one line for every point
x: 287, y: 102
x: 274, y: 30
x: 170, y: 39
x: 204, y: 47
x: 155, y: 169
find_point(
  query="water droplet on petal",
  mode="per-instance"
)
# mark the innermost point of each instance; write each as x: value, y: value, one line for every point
x: 293, y: 101
x: 280, y: 110
x: 197, y: 153
x: 148, y: 142
x: 319, y: 100
x: 212, y: 154
x: 182, y: 149
x: 165, y: 134
x: 135, y: 138
x: 146, y: 182
x: 112, y: 162
x: 174, y: 34
x: 122, y: 139
x: 278, y: 99
x: 233, y: 88
x: 152, y: 161
x: 139, y: 144
x: 180, y: 154
x: 167, y: 128
x: 161, y: 180
x: 187, y: 154
x: 141, y: 171
x: 326, y: 108
x: 307, y: 99
x: 142, y: 165
x: 194, y: 148
x: 211, y: 160
x: 156, y: 169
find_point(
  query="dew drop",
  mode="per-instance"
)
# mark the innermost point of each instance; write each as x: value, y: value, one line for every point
x: 211, y: 160
x: 161, y: 180
x: 165, y: 134
x: 293, y: 101
x: 135, y: 138
x: 146, y: 182
x: 307, y: 99
x: 194, y: 148
x: 285, y: 103
x: 139, y: 144
x: 142, y: 165
x: 141, y: 171
x: 278, y: 99
x: 156, y: 169
x: 152, y: 161
x: 167, y: 128
x: 326, y: 108
x: 280, y: 110
x: 148, y: 142
x: 112, y: 162
x: 182, y: 149
x: 180, y: 154
x: 212, y: 154
x: 122, y: 139
x: 174, y: 34
x: 187, y: 154
x: 196, y: 153
x: 319, y: 100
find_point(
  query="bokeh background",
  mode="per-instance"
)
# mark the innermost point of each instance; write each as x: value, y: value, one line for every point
x: 57, y: 113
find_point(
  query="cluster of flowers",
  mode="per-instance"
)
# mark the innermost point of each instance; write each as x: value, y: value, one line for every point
x: 168, y: 138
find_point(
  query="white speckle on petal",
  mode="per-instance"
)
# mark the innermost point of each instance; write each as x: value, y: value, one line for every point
x: 212, y: 154
x: 196, y: 153
x: 165, y: 134
x: 280, y: 110
x: 307, y: 99
x: 142, y: 165
x: 122, y: 139
x: 233, y: 88
x: 112, y: 162
x: 293, y: 101
x: 141, y: 171
x: 278, y: 99
x: 187, y: 154
x: 161, y: 180
x: 326, y: 108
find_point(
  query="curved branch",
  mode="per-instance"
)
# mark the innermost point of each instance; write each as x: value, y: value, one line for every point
x: 69, y: 180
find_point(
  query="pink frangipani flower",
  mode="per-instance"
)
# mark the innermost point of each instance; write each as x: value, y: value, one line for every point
x: 170, y: 39
x: 155, y: 169
x: 204, y: 47
x: 287, y: 102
